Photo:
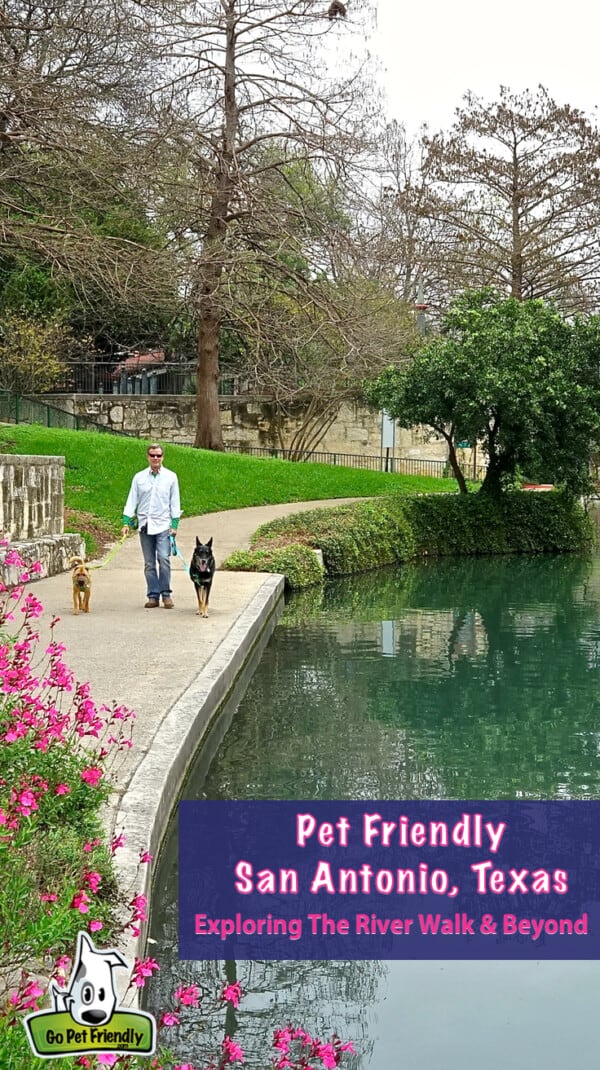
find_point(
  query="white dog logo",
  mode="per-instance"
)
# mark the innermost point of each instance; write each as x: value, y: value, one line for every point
x: 90, y: 998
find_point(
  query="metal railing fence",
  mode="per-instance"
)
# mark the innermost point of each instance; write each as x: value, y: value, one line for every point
x: 413, y: 466
x: 109, y: 377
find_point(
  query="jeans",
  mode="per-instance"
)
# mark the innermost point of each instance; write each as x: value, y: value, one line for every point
x: 157, y: 548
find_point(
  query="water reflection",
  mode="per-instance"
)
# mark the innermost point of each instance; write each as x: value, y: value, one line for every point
x: 453, y: 679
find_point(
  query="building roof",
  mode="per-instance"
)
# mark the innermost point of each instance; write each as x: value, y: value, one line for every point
x: 137, y: 361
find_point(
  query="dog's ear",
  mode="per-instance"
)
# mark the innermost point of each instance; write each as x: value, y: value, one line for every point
x: 209, y: 543
x: 198, y: 543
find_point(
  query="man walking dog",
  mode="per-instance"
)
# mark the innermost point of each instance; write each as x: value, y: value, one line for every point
x: 154, y: 500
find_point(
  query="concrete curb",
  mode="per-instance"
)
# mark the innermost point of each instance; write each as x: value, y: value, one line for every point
x: 144, y: 810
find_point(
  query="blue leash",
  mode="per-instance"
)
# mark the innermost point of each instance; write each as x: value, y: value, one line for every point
x: 176, y: 552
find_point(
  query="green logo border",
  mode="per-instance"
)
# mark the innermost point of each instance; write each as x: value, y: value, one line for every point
x: 82, y: 1042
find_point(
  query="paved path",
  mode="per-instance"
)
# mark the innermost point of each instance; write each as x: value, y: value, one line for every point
x: 148, y: 658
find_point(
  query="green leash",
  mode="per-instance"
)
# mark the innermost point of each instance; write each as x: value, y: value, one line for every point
x: 176, y: 552
x: 110, y: 555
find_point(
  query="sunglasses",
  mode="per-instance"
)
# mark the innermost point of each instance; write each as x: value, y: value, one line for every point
x: 155, y: 455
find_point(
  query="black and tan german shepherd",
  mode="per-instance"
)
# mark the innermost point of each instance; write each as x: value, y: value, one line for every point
x: 202, y: 570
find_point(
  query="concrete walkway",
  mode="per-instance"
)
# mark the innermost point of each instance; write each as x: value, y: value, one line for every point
x: 171, y: 666
x: 147, y: 658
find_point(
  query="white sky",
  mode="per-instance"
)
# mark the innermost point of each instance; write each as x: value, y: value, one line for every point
x: 434, y: 51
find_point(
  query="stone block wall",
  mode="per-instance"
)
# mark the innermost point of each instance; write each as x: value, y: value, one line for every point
x: 246, y: 421
x: 32, y: 497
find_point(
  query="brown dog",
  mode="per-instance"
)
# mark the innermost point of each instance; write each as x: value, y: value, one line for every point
x: 82, y: 585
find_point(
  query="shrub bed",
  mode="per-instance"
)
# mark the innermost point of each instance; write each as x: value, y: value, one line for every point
x: 386, y: 531
x: 296, y: 561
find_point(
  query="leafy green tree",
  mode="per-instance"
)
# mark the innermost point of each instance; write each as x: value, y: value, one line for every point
x: 513, y: 375
x: 34, y: 354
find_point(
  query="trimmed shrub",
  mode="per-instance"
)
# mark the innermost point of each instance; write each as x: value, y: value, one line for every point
x: 517, y: 522
x: 389, y: 530
x: 299, y: 564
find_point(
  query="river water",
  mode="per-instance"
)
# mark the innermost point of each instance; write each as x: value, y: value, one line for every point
x: 457, y: 679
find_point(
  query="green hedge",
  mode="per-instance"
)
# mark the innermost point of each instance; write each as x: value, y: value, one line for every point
x: 386, y: 531
x: 300, y: 565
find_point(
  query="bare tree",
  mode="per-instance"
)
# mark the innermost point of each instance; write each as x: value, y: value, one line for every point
x: 76, y: 132
x: 309, y: 352
x: 519, y: 182
x: 258, y: 92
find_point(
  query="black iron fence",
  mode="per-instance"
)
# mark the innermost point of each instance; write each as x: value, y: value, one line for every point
x: 413, y: 466
x: 113, y: 377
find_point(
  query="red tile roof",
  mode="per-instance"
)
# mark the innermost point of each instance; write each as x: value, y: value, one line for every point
x: 137, y: 361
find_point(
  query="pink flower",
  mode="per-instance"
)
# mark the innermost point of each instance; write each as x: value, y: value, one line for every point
x: 145, y: 856
x: 88, y: 847
x: 93, y: 881
x: 106, y: 1059
x: 13, y: 558
x: 232, y: 993
x: 80, y: 902
x: 92, y: 775
x: 139, y: 904
x: 232, y: 1053
x: 142, y: 969
x: 26, y: 803
x: 49, y: 897
x: 326, y: 1053
x: 183, y: 1066
x: 95, y: 926
x: 189, y: 996
x: 61, y: 969
x: 25, y: 998
x: 32, y: 606
x: 282, y: 1039
x: 170, y: 1018
x: 62, y: 789
x: 117, y: 841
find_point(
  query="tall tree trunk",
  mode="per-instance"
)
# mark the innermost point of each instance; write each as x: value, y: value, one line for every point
x: 516, y: 287
x: 208, y: 416
x: 209, y: 435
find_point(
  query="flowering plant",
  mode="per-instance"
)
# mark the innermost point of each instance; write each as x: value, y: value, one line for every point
x: 56, y: 871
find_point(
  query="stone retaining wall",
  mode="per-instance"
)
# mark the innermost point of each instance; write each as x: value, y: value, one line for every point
x: 247, y: 421
x: 32, y: 497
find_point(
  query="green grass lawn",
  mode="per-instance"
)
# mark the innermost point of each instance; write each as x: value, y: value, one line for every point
x: 99, y: 468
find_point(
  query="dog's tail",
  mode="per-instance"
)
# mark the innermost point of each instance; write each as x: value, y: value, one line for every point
x: 76, y: 562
